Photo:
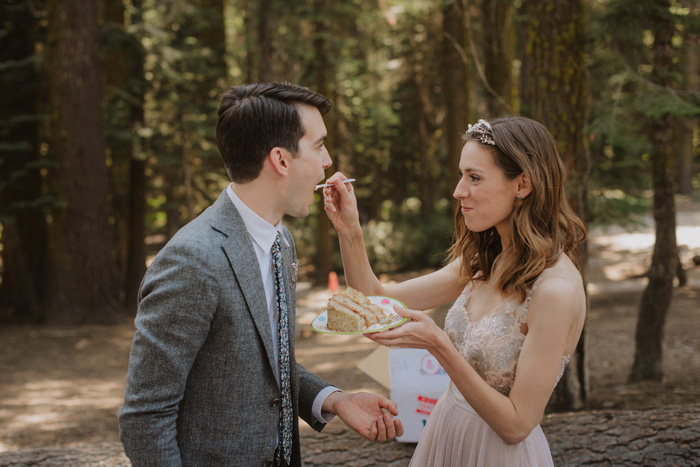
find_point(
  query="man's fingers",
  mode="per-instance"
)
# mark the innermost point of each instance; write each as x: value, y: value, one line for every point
x: 372, y: 431
x: 398, y: 427
x: 388, y: 404
x: 390, y: 429
x: 381, y: 429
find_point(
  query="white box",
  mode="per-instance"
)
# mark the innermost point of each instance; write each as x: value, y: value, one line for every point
x: 416, y: 380
x: 414, y: 409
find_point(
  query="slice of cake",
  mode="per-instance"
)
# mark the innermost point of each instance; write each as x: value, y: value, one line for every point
x: 351, y: 311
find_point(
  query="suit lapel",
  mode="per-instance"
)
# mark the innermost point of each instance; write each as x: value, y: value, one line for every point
x: 238, y: 248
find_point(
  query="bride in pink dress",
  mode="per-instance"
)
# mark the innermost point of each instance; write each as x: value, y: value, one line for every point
x: 519, y: 300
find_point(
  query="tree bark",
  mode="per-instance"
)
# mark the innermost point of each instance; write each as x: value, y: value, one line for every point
x: 323, y: 261
x: 425, y: 185
x: 267, y: 71
x: 554, y: 92
x: 24, y: 230
x: 498, y: 55
x: 138, y: 185
x: 456, y: 85
x: 213, y: 37
x: 82, y: 282
x: 656, y: 298
x: 136, y: 253
x: 250, y: 68
x: 684, y: 142
x: 124, y: 110
x: 688, y: 126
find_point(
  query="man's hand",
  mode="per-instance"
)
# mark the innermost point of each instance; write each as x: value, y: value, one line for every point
x: 363, y: 413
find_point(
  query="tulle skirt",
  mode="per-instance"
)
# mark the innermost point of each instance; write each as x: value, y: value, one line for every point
x: 455, y: 436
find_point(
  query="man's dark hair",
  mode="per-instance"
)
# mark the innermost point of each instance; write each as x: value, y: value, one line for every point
x: 255, y: 118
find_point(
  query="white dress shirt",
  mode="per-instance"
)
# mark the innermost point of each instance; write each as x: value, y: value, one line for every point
x: 262, y: 235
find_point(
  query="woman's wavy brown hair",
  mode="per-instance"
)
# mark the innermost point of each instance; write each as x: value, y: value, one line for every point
x: 543, y: 225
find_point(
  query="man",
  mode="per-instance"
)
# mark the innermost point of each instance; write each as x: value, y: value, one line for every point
x: 212, y: 375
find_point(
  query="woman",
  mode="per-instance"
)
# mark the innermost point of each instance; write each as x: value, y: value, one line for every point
x: 519, y: 298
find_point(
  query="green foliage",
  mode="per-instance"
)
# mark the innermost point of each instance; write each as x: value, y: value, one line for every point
x: 626, y: 96
x: 20, y: 116
x: 384, y: 78
x: 409, y: 242
x: 185, y: 78
x: 615, y: 207
x: 382, y: 66
x: 660, y: 102
x: 398, y: 240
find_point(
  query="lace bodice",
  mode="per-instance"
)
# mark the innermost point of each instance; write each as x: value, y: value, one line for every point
x: 492, y: 344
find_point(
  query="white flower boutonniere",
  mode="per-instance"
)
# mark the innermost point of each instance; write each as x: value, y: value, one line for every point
x: 295, y: 274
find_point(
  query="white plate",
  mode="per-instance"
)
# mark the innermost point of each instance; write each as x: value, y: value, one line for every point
x: 320, y: 323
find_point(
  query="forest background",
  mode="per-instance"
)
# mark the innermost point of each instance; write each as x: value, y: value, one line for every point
x: 108, y: 112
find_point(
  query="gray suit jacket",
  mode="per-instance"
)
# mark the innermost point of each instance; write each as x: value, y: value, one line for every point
x: 201, y: 388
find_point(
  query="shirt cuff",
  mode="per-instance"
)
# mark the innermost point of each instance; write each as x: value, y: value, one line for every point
x: 316, y: 408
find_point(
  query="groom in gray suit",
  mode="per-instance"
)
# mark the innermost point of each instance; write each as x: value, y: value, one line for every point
x: 205, y: 384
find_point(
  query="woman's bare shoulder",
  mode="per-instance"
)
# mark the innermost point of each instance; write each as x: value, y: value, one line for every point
x: 560, y: 287
x: 562, y: 273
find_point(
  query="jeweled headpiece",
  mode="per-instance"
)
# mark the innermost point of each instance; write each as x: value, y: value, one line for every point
x: 482, y: 131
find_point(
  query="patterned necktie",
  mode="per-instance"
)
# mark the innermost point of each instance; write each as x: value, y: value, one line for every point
x: 283, y: 330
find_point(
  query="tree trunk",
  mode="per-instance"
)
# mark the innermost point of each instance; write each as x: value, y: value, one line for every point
x: 122, y: 75
x: 24, y: 231
x: 212, y: 35
x: 688, y: 126
x: 174, y: 219
x: 456, y: 86
x: 136, y: 246
x: 684, y: 143
x: 656, y: 298
x: 554, y: 92
x: 115, y: 75
x: 425, y: 185
x: 323, y: 262
x: 266, y: 35
x: 250, y: 70
x: 136, y: 253
x: 82, y: 282
x: 498, y: 55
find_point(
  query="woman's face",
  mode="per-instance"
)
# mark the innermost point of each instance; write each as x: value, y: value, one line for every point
x: 486, y: 196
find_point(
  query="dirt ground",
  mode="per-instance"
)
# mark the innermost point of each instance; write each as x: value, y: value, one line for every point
x: 64, y: 386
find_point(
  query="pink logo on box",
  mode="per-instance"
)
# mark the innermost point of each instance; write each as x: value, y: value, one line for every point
x: 430, y: 366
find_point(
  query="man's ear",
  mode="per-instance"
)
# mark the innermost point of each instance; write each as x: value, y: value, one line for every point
x: 524, y: 186
x: 279, y: 159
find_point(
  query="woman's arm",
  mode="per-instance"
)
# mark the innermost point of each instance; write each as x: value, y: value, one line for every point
x: 341, y: 207
x: 552, y: 321
x: 421, y: 293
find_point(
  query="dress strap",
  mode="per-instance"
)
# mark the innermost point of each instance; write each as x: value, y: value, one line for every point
x: 524, y: 307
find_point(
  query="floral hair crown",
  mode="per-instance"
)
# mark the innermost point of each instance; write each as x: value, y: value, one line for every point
x: 482, y: 131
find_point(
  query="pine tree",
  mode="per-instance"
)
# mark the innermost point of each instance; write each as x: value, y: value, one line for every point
x: 554, y: 92
x: 22, y: 201
x: 82, y: 284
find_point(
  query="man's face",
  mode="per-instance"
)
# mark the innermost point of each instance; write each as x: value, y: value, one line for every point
x: 307, y: 168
